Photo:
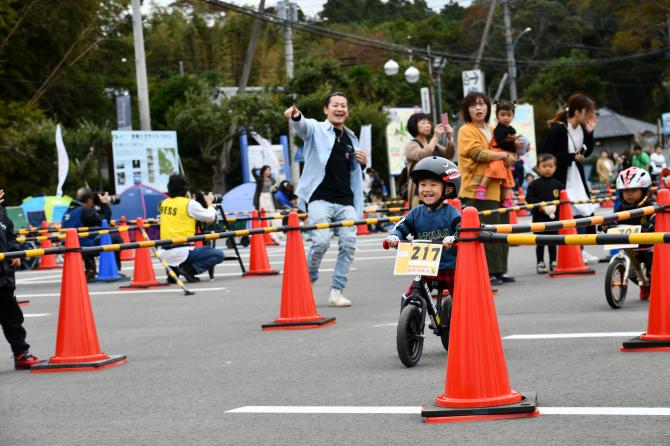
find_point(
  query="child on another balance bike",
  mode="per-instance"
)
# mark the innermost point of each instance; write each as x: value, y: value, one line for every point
x: 633, y: 188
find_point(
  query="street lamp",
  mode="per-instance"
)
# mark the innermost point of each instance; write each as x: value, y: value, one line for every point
x: 412, y: 74
x: 391, y: 67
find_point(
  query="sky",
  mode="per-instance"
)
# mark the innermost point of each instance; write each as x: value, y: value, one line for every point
x: 309, y: 7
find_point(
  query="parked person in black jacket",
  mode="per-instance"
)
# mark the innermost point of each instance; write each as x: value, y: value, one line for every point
x: 11, y: 316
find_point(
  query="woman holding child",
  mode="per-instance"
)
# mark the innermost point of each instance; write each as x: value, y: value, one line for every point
x: 474, y: 156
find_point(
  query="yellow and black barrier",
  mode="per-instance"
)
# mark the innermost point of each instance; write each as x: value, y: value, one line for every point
x: 56, y: 237
x: 54, y: 229
x: 196, y: 238
x: 168, y: 269
x: 531, y: 206
x: 573, y: 223
x: 647, y: 238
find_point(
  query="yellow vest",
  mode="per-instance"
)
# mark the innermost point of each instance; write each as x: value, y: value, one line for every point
x: 175, y: 221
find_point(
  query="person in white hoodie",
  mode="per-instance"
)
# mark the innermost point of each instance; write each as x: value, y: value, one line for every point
x: 658, y: 163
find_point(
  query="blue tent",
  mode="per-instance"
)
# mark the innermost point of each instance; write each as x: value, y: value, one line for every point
x: 138, y: 201
x: 240, y: 198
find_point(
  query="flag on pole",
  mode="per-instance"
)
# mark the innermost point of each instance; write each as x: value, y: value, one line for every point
x: 63, y: 161
x: 269, y: 156
x: 365, y: 141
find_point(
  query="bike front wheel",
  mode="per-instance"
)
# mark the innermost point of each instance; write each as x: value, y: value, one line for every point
x: 409, y: 337
x: 616, y: 284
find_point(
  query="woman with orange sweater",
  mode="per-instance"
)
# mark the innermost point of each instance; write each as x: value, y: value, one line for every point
x: 474, y: 155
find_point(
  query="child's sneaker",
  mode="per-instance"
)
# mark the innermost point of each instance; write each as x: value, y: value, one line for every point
x: 25, y: 361
x: 541, y: 268
x: 336, y: 299
x: 480, y: 194
x: 552, y: 265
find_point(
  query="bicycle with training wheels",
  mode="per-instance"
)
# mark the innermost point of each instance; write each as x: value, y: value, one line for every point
x: 624, y: 266
x: 424, y: 300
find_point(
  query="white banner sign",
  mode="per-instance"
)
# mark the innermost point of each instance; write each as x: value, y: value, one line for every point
x: 397, y: 138
x: 365, y: 142
x: 142, y: 157
x: 63, y: 161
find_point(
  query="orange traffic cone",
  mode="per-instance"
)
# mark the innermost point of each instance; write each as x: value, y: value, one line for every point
x: 258, y: 257
x: 143, y: 275
x: 298, y: 309
x: 269, y: 241
x: 455, y: 202
x: 657, y: 337
x: 362, y: 229
x: 126, y: 254
x: 477, y: 385
x: 47, y: 261
x: 513, y: 220
x: 77, y: 347
x: 570, y: 261
x: 608, y: 193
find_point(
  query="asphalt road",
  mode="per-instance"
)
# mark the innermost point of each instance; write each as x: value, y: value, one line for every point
x: 191, y: 360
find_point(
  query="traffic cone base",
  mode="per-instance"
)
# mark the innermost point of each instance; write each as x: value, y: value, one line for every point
x: 646, y: 343
x: 269, y: 272
x: 525, y: 408
x: 278, y: 324
x: 118, y: 278
x: 572, y: 273
x: 144, y: 286
x: 84, y: 366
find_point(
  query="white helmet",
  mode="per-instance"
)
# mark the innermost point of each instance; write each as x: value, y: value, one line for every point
x: 633, y: 178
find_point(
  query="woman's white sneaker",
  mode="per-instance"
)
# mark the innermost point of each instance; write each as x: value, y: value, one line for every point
x: 336, y: 299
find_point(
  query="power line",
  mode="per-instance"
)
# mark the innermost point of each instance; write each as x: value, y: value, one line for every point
x: 409, y: 50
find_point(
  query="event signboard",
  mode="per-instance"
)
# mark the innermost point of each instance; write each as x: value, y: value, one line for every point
x: 397, y: 137
x: 144, y: 157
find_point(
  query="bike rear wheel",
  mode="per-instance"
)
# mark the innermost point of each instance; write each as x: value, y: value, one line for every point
x: 409, y: 337
x: 616, y: 284
x: 445, y: 319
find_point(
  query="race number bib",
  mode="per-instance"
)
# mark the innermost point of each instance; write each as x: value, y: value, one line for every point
x: 623, y: 229
x: 415, y: 259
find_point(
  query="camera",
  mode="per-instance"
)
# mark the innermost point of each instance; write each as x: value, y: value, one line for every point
x: 113, y: 199
x: 200, y: 198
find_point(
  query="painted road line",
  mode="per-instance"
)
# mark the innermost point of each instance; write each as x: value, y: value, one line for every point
x: 622, y: 334
x: 328, y: 409
x: 36, y: 314
x: 161, y: 277
x: 121, y: 293
x: 416, y: 410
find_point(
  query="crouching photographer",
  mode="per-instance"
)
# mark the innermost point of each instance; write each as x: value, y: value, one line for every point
x: 88, y: 210
x: 179, y: 215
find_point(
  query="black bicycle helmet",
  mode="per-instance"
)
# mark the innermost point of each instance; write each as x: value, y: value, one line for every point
x: 441, y: 169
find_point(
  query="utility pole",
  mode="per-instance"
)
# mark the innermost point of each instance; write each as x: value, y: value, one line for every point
x: 485, y: 36
x: 141, y: 68
x: 511, y: 64
x: 251, y: 49
x: 288, y: 11
x: 431, y: 85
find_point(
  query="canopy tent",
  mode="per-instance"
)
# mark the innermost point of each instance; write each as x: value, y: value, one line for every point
x: 240, y: 198
x: 138, y: 200
x: 53, y: 207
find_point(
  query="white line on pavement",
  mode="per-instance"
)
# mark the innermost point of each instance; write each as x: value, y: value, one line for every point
x: 575, y: 335
x: 35, y: 314
x: 122, y: 292
x: 415, y: 410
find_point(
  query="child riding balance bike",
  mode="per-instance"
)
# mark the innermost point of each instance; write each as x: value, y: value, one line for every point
x: 434, y: 220
x: 634, y: 263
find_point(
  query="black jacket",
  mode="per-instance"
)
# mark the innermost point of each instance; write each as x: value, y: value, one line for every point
x: 7, y: 243
x: 556, y: 143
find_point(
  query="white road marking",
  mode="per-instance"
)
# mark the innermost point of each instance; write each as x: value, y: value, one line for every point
x: 390, y: 324
x: 36, y: 314
x: 122, y: 292
x: 575, y: 335
x: 416, y: 410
